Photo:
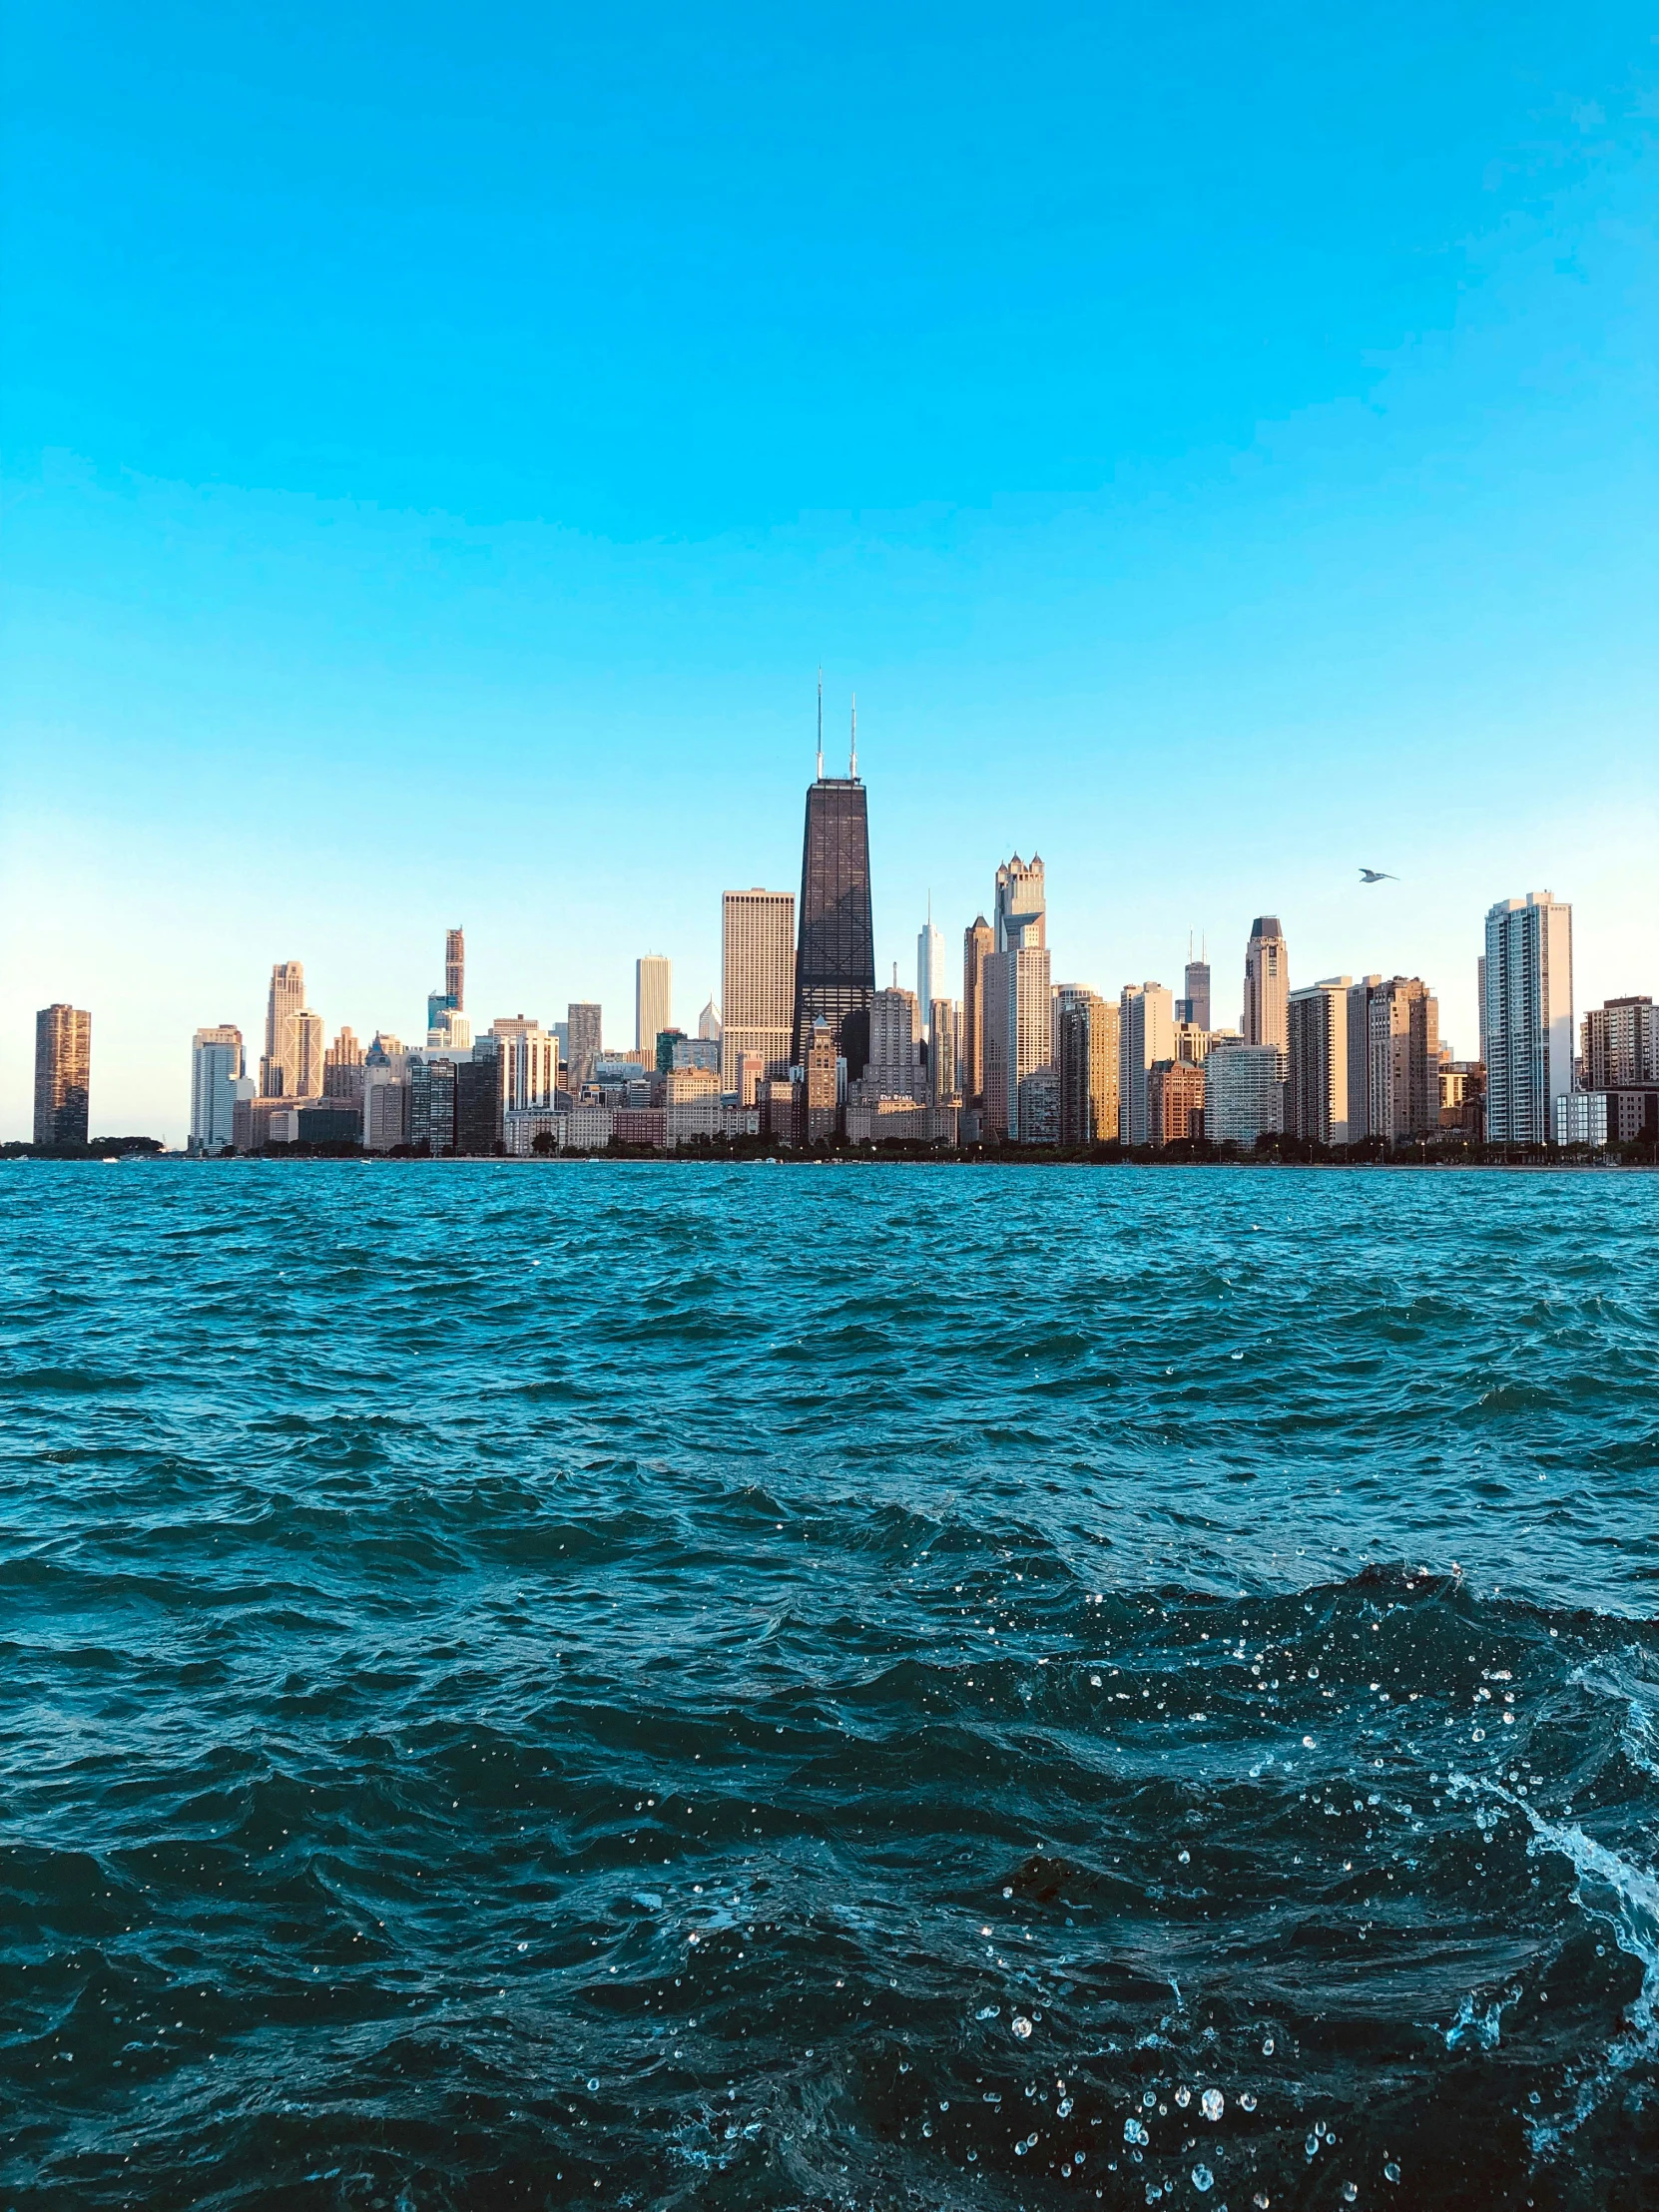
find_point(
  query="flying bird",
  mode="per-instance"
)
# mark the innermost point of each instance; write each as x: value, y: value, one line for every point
x: 1377, y: 876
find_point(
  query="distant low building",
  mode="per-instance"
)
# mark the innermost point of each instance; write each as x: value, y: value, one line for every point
x: 1581, y: 1119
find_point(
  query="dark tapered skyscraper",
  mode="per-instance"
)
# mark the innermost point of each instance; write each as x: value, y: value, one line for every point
x: 834, y: 965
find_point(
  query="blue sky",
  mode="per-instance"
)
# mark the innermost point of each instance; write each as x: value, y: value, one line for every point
x: 1217, y: 445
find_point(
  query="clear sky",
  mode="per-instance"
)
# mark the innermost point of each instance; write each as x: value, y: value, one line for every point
x: 1216, y: 444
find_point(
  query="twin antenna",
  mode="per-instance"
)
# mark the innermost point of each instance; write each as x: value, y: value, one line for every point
x: 853, y: 768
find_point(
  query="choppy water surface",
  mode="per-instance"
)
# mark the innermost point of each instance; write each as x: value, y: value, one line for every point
x: 671, y: 1686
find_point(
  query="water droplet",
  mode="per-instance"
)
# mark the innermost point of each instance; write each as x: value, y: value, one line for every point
x: 1312, y: 2146
x: 1150, y: 2098
x: 1020, y: 2025
x: 1391, y: 2171
x: 1007, y: 1893
x: 987, y: 2012
x: 1266, y: 2048
x: 1186, y: 1858
x: 1203, y: 2179
x: 1306, y: 1743
x: 1247, y: 2102
x: 1134, y: 2132
x: 593, y: 2082
x: 1064, y: 2108
x: 1351, y: 2191
x: 1183, y: 2097
x: 1212, y: 2104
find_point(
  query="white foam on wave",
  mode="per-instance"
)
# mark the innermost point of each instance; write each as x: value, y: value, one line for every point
x: 1624, y: 1898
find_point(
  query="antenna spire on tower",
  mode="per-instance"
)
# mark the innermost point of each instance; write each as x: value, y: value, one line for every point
x: 853, y: 770
x: 820, y: 722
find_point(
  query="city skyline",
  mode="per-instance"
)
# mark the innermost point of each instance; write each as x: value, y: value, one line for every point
x: 1180, y: 483
x: 295, y: 1037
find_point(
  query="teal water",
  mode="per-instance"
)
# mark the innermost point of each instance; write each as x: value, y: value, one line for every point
x: 748, y: 1686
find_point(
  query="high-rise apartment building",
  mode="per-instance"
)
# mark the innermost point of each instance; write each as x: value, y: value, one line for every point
x: 1192, y: 1009
x: 1620, y: 1048
x: 584, y: 1027
x: 1244, y: 1092
x: 756, y: 981
x: 1088, y: 1067
x: 432, y: 1104
x: 1317, y: 1105
x: 280, y: 1064
x: 819, y: 1086
x: 1358, y: 1057
x: 1404, y: 1097
x: 930, y: 981
x: 944, y: 1053
x: 895, y: 1066
x: 216, y: 1068
x: 978, y: 943
x: 528, y: 1056
x: 479, y: 1107
x: 385, y: 1094
x: 653, y: 1002
x: 1146, y: 1023
x: 1529, y: 1025
x: 313, y: 1054
x: 1173, y: 1102
x: 342, y: 1067
x: 1267, y: 998
x: 454, y: 967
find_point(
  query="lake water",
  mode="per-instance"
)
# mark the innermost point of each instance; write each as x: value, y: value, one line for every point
x: 672, y: 1685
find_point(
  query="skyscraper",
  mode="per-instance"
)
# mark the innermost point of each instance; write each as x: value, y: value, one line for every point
x: 1529, y: 1025
x: 215, y: 1065
x: 1358, y: 1057
x: 1089, y: 1064
x: 63, y: 1074
x: 1018, y: 1015
x: 978, y: 943
x: 1317, y: 1100
x: 279, y: 1065
x: 944, y: 1053
x: 1244, y: 1093
x: 1266, y: 994
x: 1146, y: 1033
x: 1405, y: 1059
x: 834, y: 965
x: 1021, y: 907
x: 756, y: 981
x: 1193, y: 1008
x: 819, y: 1087
x: 442, y: 1006
x: 313, y: 1049
x: 584, y: 1029
x: 709, y: 1024
x: 929, y: 968
x: 653, y: 1002
x: 1621, y: 1045
x: 342, y: 1067
x: 894, y: 1067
